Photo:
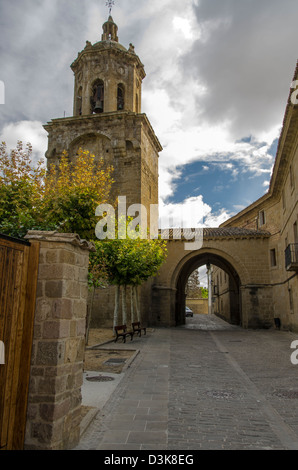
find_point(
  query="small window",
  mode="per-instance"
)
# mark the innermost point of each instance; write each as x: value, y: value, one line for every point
x: 273, y: 257
x: 120, y: 97
x: 295, y: 232
x: 79, y: 102
x: 261, y: 218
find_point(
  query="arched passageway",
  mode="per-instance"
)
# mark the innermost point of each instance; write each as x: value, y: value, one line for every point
x: 209, y: 259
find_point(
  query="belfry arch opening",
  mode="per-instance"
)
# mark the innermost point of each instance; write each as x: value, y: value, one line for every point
x: 97, y: 97
x: 223, y: 285
x: 120, y: 97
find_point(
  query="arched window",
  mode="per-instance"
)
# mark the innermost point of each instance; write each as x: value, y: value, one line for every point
x: 137, y: 103
x: 97, y: 97
x: 79, y: 102
x: 120, y: 97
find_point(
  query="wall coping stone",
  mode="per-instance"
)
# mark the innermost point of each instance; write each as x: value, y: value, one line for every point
x: 72, y: 238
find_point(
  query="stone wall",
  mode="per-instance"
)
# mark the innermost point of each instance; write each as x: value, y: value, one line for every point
x: 54, y: 404
x: 198, y: 306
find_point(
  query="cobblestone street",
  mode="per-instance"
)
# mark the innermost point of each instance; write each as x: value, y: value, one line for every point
x: 208, y: 385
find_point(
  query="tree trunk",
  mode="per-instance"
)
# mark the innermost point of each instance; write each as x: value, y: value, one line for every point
x: 116, y: 309
x: 124, y: 308
x: 132, y: 307
x: 137, y: 303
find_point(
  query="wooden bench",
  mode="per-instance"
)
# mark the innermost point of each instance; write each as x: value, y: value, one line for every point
x: 137, y: 328
x: 121, y: 332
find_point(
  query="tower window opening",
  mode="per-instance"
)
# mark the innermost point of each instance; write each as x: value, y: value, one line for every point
x: 97, y: 97
x: 79, y: 102
x: 120, y: 98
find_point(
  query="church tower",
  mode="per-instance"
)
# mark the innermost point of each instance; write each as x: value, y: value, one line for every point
x: 107, y: 118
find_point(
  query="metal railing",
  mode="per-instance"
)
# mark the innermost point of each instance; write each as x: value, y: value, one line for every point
x: 291, y: 257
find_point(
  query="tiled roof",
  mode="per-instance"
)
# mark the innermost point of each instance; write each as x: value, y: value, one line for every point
x: 222, y: 232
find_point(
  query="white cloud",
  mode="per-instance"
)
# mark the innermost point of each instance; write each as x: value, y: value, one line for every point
x: 191, y: 213
x: 216, y: 72
x: 28, y: 132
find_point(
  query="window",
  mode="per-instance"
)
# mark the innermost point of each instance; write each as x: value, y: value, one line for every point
x: 261, y: 218
x: 97, y: 97
x: 120, y: 97
x: 273, y: 257
x: 79, y: 102
x: 295, y: 231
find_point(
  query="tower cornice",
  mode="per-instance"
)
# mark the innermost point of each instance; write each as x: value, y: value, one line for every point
x: 108, y: 48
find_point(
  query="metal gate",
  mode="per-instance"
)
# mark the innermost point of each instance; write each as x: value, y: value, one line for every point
x: 18, y: 279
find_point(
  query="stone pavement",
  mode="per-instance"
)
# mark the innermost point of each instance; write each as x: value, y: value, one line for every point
x: 205, y: 386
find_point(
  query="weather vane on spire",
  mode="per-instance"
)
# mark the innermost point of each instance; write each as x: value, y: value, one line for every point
x: 110, y: 4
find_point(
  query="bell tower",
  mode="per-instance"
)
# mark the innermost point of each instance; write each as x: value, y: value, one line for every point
x: 107, y: 118
x: 108, y: 77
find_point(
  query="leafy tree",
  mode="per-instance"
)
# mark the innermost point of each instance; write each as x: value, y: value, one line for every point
x: 21, y: 191
x: 127, y: 262
x: 62, y: 198
x: 193, y: 289
x: 204, y: 293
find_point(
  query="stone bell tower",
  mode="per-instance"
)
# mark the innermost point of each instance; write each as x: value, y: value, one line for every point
x: 107, y: 118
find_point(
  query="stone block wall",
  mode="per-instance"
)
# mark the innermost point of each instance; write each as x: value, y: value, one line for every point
x: 54, y: 404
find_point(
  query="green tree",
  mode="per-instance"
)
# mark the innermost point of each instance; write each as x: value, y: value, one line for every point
x: 21, y: 191
x: 127, y: 262
x: 63, y: 197
x: 204, y: 293
x: 193, y: 285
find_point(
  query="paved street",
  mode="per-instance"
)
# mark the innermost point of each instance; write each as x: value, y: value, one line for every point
x: 207, y: 385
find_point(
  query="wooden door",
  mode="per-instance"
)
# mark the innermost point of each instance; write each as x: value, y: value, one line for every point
x: 18, y: 279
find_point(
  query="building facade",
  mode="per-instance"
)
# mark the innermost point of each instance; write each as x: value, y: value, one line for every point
x: 253, y: 256
x: 277, y: 213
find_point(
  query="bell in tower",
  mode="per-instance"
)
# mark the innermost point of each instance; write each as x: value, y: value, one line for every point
x: 108, y: 122
x: 97, y: 98
x: 107, y: 118
x: 108, y: 77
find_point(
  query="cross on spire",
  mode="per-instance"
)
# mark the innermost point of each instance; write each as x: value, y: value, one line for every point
x: 110, y: 4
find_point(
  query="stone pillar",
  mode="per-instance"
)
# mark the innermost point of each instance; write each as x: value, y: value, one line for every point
x: 54, y: 403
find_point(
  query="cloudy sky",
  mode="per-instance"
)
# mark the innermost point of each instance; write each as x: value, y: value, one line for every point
x: 218, y: 78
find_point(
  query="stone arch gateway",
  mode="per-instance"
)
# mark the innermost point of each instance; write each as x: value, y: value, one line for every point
x: 241, y: 253
x: 212, y: 259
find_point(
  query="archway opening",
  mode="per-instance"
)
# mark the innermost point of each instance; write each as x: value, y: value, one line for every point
x: 97, y: 97
x: 120, y: 97
x: 220, y: 285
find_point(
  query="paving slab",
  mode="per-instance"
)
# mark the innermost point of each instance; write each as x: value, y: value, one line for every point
x: 205, y: 386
